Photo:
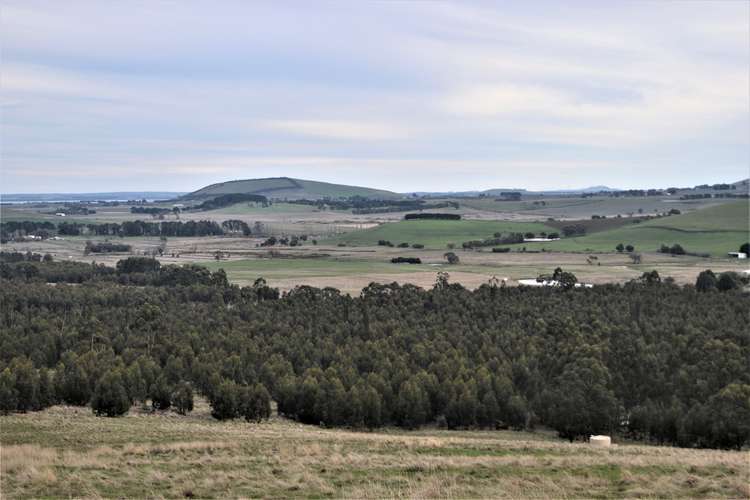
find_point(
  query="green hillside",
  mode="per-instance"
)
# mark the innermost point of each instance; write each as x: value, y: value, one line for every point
x: 438, y: 233
x: 715, y: 230
x: 286, y: 187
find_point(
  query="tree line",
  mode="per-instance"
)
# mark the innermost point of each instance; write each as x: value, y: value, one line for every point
x: 11, y: 230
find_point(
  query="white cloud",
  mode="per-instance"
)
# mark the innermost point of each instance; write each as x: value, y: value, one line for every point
x: 339, y: 129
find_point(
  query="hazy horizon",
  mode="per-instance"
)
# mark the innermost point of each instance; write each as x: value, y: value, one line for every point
x: 403, y: 96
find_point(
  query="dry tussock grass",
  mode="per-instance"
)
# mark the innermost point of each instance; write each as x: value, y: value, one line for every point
x: 64, y: 452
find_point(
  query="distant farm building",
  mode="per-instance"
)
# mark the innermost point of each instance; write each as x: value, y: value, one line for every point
x: 738, y: 255
x: 538, y: 282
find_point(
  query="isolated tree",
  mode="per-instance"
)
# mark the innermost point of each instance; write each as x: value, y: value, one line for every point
x: 629, y: 248
x: 706, y: 281
x: 451, y: 257
x: 745, y: 248
x: 110, y: 398
x: 620, y: 247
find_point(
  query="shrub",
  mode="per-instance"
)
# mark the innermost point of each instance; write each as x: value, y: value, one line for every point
x: 417, y: 245
x: 501, y: 250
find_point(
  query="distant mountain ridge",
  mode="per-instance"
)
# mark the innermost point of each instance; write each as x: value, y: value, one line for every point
x: 289, y: 188
x: 88, y: 197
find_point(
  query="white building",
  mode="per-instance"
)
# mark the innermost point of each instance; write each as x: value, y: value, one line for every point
x: 738, y: 255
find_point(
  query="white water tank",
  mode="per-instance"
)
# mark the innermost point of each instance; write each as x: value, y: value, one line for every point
x: 600, y: 441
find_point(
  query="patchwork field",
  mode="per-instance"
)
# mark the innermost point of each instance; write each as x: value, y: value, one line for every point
x: 68, y: 452
x: 715, y: 230
x: 583, y: 208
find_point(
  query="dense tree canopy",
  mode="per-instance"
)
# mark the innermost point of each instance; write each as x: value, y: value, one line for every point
x: 647, y: 359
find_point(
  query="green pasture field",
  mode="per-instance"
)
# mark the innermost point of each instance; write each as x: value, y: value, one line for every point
x: 437, y: 233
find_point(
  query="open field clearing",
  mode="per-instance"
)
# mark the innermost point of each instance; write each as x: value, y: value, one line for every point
x: 351, y: 272
x: 68, y: 452
x: 352, y: 268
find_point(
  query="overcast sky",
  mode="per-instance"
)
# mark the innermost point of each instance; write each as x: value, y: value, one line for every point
x: 172, y: 95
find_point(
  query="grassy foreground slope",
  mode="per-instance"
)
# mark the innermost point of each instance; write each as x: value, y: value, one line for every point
x: 438, y: 233
x: 67, y: 452
x: 286, y: 187
x: 714, y: 230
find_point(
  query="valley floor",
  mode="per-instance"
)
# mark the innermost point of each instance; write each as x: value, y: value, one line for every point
x: 66, y: 451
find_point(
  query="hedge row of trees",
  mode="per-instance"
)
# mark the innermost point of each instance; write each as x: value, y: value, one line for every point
x: 647, y: 359
x: 128, y: 228
x: 432, y: 216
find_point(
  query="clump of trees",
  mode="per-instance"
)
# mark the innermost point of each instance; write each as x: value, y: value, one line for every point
x: 675, y: 249
x: 406, y: 260
x: 708, y: 281
x: 574, y: 230
x: 497, y: 239
x: 105, y: 247
x: 625, y: 248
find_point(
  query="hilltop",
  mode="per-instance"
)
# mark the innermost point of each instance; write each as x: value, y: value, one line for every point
x: 289, y: 188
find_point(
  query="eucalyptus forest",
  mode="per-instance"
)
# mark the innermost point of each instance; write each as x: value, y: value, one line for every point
x: 645, y: 360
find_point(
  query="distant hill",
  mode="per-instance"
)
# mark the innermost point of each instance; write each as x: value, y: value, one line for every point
x: 286, y: 187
